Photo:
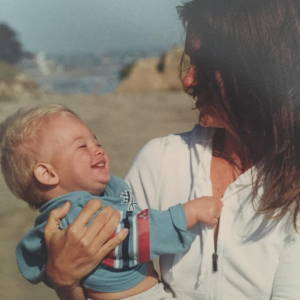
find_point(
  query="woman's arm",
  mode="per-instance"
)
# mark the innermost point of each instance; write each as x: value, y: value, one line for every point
x: 77, y: 250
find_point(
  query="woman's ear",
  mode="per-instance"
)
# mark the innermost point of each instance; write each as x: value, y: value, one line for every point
x: 45, y: 174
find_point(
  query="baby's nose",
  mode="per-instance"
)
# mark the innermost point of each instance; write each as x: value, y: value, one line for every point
x: 99, y: 150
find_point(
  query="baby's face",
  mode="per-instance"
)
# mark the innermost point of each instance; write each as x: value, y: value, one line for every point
x: 77, y: 158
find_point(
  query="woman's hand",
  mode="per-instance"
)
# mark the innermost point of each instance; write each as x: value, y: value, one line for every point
x: 77, y: 250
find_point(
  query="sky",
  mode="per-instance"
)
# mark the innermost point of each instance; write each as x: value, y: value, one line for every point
x: 98, y: 26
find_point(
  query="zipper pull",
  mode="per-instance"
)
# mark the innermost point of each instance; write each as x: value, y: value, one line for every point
x: 215, y: 262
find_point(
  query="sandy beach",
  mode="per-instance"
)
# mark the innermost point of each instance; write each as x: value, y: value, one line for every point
x: 122, y: 124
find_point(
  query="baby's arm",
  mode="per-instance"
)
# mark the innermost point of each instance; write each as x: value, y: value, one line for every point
x: 203, y: 209
x: 151, y: 234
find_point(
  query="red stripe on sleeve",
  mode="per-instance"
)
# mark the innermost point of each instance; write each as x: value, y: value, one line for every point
x: 144, y: 236
x: 110, y: 257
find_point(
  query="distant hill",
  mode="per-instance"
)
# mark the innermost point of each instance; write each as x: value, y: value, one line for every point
x: 154, y: 74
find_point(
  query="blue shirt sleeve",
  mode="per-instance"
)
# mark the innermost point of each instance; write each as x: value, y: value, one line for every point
x: 151, y: 234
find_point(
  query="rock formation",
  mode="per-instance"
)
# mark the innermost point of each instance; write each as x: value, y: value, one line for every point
x: 154, y: 74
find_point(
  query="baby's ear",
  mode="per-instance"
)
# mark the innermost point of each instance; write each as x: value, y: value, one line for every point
x: 45, y: 174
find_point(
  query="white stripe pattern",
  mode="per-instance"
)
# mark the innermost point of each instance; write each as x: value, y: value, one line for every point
x: 135, y: 240
x: 116, y: 251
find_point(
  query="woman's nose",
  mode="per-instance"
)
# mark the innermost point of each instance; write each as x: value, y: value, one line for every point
x: 190, y: 77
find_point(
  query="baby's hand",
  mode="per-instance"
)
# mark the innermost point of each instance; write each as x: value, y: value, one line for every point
x: 203, y: 209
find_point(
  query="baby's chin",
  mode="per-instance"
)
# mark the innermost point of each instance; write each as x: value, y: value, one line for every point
x: 98, y: 192
x: 97, y: 188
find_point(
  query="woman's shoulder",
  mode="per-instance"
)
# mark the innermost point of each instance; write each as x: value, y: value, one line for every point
x: 163, y: 150
x: 176, y: 142
x: 158, y: 145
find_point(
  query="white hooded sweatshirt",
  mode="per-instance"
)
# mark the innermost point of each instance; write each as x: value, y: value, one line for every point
x: 258, y: 259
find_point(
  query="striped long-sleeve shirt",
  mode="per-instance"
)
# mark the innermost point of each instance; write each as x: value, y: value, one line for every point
x: 151, y: 233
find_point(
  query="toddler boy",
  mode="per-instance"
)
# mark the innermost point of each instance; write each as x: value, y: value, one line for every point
x: 49, y: 156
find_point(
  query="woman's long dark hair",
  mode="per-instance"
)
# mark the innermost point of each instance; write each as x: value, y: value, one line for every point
x: 255, y: 46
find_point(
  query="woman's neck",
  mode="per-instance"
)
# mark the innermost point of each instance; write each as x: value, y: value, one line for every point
x: 228, y: 146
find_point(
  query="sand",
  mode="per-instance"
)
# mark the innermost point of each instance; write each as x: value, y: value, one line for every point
x: 122, y: 124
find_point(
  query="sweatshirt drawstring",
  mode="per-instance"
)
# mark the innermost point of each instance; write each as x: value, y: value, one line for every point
x: 199, y: 273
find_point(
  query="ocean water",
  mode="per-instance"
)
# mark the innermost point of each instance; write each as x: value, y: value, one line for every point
x: 96, y: 80
x: 88, y: 84
x: 77, y: 76
x: 81, y: 73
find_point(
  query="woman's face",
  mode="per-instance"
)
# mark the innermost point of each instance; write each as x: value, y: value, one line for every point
x: 211, y: 114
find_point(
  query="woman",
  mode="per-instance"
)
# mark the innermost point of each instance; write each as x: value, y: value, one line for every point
x: 244, y: 74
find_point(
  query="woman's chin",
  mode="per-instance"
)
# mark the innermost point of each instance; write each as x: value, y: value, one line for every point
x: 209, y: 121
x: 205, y: 121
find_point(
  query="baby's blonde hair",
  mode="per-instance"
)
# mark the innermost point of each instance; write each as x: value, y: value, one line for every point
x: 20, y: 138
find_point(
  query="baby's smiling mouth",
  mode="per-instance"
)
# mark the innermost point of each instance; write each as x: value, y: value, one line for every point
x: 99, y: 165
